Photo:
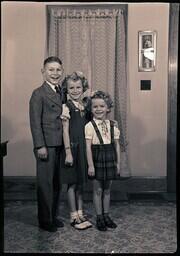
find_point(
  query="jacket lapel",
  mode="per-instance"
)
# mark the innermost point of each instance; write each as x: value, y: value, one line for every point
x: 53, y: 96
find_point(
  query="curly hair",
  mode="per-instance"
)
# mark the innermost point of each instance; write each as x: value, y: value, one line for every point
x: 99, y: 95
x: 75, y: 76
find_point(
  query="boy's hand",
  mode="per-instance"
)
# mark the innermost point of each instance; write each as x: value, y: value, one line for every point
x: 91, y: 171
x: 69, y: 159
x: 42, y: 153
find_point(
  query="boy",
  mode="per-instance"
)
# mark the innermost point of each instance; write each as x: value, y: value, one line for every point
x: 46, y: 128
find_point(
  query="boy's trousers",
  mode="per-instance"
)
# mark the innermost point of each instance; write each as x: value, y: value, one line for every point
x: 48, y: 185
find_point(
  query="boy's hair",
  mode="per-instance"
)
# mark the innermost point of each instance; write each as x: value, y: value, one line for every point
x: 99, y: 95
x: 75, y: 76
x: 52, y: 59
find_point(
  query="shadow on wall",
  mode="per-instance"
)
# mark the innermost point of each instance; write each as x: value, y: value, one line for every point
x: 20, y: 160
x: 147, y: 150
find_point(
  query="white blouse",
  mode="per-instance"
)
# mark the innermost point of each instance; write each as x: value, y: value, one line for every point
x: 90, y: 132
x: 65, y: 110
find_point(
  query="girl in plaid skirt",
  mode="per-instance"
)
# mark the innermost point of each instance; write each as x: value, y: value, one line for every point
x: 103, y: 155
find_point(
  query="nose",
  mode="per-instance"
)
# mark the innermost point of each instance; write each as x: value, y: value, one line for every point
x: 75, y: 90
x: 56, y: 72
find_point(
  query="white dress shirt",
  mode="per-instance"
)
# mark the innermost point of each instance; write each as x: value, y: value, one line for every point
x: 52, y: 86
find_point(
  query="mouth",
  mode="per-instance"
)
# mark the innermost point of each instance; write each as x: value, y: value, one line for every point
x: 55, y: 78
x: 99, y: 113
x: 75, y: 95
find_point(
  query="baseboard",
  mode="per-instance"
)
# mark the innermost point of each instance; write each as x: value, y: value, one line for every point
x: 24, y: 188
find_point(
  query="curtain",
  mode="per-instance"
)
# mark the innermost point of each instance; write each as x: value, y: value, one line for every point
x: 93, y: 41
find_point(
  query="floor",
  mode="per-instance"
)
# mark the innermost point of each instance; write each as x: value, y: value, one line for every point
x: 143, y: 227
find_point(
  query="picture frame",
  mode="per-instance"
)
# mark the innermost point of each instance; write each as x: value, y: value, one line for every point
x: 147, y: 50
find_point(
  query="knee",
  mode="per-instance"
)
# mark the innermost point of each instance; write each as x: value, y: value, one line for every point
x: 106, y: 192
x: 71, y: 187
x: 98, y: 191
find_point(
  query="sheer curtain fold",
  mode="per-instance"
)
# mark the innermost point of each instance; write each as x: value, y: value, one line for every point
x: 93, y: 41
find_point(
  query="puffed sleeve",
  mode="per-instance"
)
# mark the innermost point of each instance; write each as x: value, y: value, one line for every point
x: 65, y: 112
x: 116, y: 133
x: 89, y: 131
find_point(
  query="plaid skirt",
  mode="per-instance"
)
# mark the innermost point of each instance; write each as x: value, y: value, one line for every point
x: 105, y: 161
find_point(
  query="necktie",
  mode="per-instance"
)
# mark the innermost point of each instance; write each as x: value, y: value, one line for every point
x: 104, y: 127
x: 58, y: 90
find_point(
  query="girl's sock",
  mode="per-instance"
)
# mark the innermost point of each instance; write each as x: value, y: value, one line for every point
x: 73, y: 215
x: 80, y: 213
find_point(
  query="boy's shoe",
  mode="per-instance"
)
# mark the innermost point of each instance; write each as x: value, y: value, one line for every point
x: 84, y: 220
x: 48, y: 227
x: 109, y: 223
x: 100, y: 224
x: 78, y: 224
x: 58, y: 223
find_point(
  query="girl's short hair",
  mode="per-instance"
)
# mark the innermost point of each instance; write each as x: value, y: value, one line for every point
x: 99, y: 95
x: 75, y: 76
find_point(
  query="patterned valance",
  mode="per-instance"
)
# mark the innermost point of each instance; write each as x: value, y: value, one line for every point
x: 77, y: 14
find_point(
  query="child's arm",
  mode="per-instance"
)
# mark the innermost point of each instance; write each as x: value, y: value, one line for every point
x: 117, y: 145
x: 69, y: 157
x: 91, y: 171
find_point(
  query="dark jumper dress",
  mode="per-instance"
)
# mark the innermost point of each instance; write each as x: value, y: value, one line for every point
x: 104, y: 156
x: 78, y: 173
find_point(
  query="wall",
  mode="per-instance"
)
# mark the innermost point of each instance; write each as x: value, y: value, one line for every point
x: 23, y: 49
x: 148, y: 109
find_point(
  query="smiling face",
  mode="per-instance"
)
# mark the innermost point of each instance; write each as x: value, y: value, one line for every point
x: 74, y: 89
x: 52, y: 72
x: 99, y: 108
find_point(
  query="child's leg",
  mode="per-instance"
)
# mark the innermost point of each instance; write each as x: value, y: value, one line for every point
x: 106, y: 205
x: 79, y: 197
x: 97, y: 199
x: 106, y: 196
x: 71, y: 197
x: 74, y: 218
x: 79, y: 200
x: 97, y: 196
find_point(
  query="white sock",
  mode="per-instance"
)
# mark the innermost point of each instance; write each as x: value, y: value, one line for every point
x: 73, y: 215
x: 80, y: 212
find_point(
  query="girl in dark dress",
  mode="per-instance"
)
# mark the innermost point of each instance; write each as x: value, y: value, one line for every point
x: 103, y: 156
x: 74, y: 170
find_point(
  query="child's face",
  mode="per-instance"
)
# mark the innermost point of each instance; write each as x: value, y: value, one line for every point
x: 75, y: 89
x: 99, y: 109
x: 53, y: 72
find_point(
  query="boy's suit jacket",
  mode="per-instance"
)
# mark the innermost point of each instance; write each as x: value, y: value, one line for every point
x: 45, y: 110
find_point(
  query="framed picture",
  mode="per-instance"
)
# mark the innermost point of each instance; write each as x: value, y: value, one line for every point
x: 147, y: 50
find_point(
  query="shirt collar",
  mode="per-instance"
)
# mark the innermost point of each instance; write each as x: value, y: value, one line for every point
x: 100, y: 121
x: 52, y: 85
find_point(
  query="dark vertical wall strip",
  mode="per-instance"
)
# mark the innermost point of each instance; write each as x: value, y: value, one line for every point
x: 172, y: 97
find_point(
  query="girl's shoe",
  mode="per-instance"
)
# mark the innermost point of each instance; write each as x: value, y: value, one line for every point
x: 78, y: 224
x: 100, y: 224
x: 84, y: 220
x: 109, y: 223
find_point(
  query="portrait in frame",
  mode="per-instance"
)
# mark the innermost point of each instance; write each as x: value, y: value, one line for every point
x: 147, y: 50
